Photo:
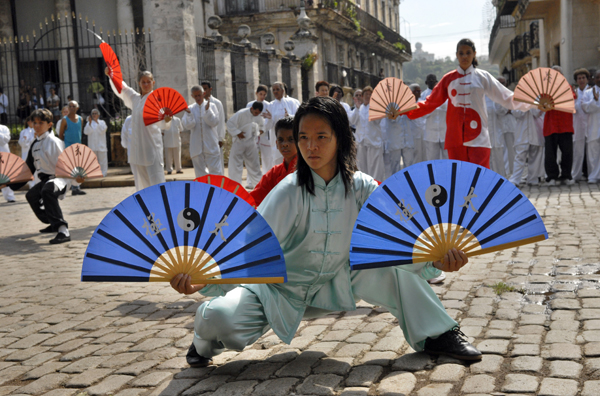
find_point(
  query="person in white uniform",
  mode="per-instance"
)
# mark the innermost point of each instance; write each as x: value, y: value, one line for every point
x: 263, y: 142
x: 580, y: 124
x: 508, y: 126
x: 9, y: 195
x: 95, y: 129
x: 418, y: 127
x: 337, y: 93
x: 529, y: 147
x: 207, y: 87
x: 369, y: 139
x: 399, y: 146
x: 591, y: 105
x: 145, y: 148
x: 435, y: 125
x: 244, y: 127
x: 26, y: 137
x: 496, y: 139
x: 280, y: 107
x: 202, y: 121
x: 172, y: 142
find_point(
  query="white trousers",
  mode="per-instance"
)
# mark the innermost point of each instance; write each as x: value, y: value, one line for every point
x: 419, y: 151
x: 222, y: 154
x: 103, y: 161
x: 9, y: 194
x: 173, y: 157
x: 266, y: 156
x: 370, y: 161
x: 578, y: 155
x: 146, y: 176
x: 396, y: 160
x: 534, y: 157
x: 434, y: 151
x: 593, y: 158
x: 207, y: 164
x: 497, y: 161
x: 244, y: 151
x: 509, y: 152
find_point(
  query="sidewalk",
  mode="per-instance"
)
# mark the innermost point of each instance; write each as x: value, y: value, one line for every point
x: 121, y: 176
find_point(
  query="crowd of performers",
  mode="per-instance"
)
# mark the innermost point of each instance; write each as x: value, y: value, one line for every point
x: 320, y: 162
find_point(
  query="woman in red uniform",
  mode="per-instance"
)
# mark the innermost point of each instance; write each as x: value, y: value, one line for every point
x: 467, y: 136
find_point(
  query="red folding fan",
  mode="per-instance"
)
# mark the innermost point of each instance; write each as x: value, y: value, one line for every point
x: 78, y: 161
x: 546, y: 88
x: 390, y: 99
x: 228, y: 185
x: 163, y: 102
x: 113, y: 64
x: 13, y: 169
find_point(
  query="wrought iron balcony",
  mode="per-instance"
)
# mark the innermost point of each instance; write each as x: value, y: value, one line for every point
x: 521, y: 45
x: 502, y: 22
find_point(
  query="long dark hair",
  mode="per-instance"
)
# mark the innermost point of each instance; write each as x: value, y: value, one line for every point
x: 471, y: 44
x: 337, y: 118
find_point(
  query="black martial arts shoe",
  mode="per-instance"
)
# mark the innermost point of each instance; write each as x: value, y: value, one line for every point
x: 78, y: 192
x: 194, y: 360
x: 179, y: 172
x: 452, y: 343
x: 60, y: 238
x: 47, y: 229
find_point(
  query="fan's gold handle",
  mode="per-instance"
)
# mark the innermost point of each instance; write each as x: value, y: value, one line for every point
x: 182, y: 283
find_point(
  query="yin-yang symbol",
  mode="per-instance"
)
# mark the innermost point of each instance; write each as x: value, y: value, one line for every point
x: 188, y: 219
x: 436, y: 195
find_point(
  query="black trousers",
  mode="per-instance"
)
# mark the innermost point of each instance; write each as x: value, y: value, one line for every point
x: 4, y: 119
x: 564, y: 141
x: 43, y: 194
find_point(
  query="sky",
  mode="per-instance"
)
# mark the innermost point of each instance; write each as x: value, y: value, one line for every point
x: 440, y: 24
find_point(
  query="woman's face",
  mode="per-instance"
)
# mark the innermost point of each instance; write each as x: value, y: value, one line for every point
x: 278, y: 91
x: 261, y: 95
x: 146, y: 85
x: 318, y: 145
x: 465, y: 56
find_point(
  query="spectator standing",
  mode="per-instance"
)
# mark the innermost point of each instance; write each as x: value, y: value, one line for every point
x: 35, y: 101
x: 96, y: 89
x: 53, y: 101
x: 71, y: 131
x: 558, y: 133
x: 23, y: 108
x: 3, y: 107
x: 580, y: 127
x: 591, y: 105
x: 95, y: 129
x: 172, y: 143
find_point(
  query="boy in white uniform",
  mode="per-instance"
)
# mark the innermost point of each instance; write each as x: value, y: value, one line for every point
x: 244, y: 127
x: 202, y: 121
x: 172, y: 142
x: 435, y: 125
x: 95, y: 129
x: 529, y: 147
x: 9, y: 195
x: 263, y: 143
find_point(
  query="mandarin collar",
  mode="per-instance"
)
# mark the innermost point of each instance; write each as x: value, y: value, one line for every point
x: 43, y: 136
x: 320, y: 182
x: 465, y: 72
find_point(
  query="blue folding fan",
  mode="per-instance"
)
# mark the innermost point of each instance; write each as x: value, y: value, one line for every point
x: 184, y: 227
x: 421, y: 212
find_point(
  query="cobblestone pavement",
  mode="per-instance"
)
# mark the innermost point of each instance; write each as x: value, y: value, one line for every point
x: 61, y: 337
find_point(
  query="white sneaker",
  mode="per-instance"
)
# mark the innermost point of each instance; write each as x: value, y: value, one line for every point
x: 534, y: 184
x: 570, y: 182
x: 592, y: 181
x: 551, y: 183
x: 438, y: 279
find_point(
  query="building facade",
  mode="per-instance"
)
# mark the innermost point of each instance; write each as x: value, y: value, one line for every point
x: 542, y: 33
